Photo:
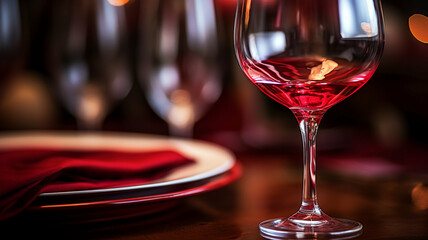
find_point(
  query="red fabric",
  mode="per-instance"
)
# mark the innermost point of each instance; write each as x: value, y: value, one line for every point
x: 25, y: 173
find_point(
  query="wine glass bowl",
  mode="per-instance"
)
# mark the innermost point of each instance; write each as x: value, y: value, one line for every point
x: 88, y: 58
x: 179, y: 67
x: 308, y: 55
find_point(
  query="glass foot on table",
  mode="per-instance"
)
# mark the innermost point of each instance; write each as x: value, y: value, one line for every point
x: 321, y: 227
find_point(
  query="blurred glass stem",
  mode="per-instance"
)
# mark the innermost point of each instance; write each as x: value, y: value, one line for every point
x: 181, y: 117
x: 91, y: 108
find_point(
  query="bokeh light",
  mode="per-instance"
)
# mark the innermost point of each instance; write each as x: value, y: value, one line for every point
x: 418, y: 25
x: 118, y: 2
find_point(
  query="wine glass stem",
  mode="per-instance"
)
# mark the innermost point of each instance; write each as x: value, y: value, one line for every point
x: 308, y: 123
x: 181, y: 131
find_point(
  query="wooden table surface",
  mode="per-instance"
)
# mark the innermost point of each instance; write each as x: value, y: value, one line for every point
x: 270, y: 186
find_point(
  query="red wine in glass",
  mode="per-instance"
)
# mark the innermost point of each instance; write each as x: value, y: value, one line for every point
x: 309, y: 83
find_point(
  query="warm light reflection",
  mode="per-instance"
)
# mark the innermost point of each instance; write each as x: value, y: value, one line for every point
x: 418, y: 25
x: 118, y: 2
x: 247, y: 12
x: 367, y: 28
x: 420, y: 196
x: 319, y: 72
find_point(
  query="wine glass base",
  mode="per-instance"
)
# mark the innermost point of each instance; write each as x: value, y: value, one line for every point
x: 323, y: 228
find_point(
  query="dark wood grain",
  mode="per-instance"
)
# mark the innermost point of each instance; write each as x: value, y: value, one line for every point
x: 269, y: 187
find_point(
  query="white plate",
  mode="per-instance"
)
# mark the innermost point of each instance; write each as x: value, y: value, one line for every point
x: 210, y: 159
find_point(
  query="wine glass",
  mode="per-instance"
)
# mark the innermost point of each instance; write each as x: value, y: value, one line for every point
x: 308, y: 55
x: 88, y: 58
x: 11, y: 42
x: 178, y: 60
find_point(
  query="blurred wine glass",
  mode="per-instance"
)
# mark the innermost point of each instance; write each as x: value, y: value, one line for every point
x: 89, y: 58
x: 11, y: 44
x: 178, y: 60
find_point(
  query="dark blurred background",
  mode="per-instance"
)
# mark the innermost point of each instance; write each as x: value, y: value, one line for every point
x: 389, y: 111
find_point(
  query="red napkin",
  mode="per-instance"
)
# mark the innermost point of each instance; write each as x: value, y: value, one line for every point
x: 25, y: 173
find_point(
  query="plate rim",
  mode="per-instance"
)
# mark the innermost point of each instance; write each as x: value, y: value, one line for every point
x: 214, y: 183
